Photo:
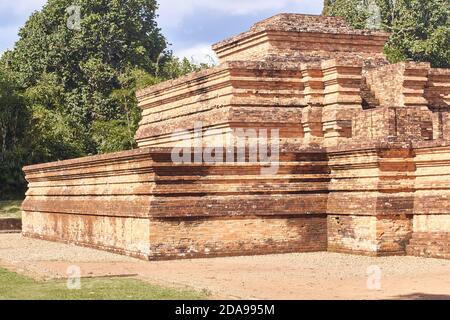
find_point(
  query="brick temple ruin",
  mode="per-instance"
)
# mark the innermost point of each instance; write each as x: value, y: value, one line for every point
x: 364, y: 160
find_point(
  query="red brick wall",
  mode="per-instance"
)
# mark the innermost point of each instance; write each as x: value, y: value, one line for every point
x: 431, y: 236
x: 369, y: 235
x: 403, y: 123
x: 209, y: 237
x: 10, y: 225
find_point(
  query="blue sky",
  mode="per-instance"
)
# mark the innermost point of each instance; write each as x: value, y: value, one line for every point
x: 191, y: 26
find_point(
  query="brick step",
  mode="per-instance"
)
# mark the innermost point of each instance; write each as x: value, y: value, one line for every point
x: 435, y: 238
x: 439, y: 236
x: 428, y: 252
x: 430, y: 244
x: 444, y: 245
x: 430, y: 240
x: 10, y: 225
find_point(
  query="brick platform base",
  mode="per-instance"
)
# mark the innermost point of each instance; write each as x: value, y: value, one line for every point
x: 138, y: 203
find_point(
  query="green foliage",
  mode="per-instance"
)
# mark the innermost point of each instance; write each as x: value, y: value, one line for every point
x: 176, y: 68
x: 116, y: 33
x: 11, y: 111
x: 13, y: 121
x: 354, y: 11
x: 54, y: 134
x: 114, y: 36
x: 118, y: 134
x: 66, y: 93
x: 420, y: 30
x: 10, y: 209
x: 327, y: 5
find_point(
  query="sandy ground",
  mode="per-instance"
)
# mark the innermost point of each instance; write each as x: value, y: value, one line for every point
x: 290, y: 276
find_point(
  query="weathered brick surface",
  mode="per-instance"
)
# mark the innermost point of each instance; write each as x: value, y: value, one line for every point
x: 123, y: 235
x: 431, y: 236
x: 139, y: 203
x: 233, y: 95
x: 364, y: 164
x: 209, y: 237
x: 437, y: 91
x: 305, y: 37
x: 10, y: 225
x: 402, y: 123
x: 431, y: 222
x: 401, y: 84
x: 369, y: 235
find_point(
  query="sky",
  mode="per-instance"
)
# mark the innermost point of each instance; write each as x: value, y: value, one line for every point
x: 190, y: 26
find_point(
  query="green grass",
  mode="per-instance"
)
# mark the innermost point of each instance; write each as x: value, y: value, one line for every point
x: 17, y: 287
x: 10, y: 209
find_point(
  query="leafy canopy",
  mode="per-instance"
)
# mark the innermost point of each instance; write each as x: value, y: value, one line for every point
x: 420, y: 30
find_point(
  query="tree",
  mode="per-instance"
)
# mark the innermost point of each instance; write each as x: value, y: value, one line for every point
x: 13, y: 119
x: 55, y: 134
x: 68, y: 87
x: 420, y: 30
x: 354, y: 11
x: 327, y: 5
x: 119, y: 134
x: 11, y: 110
x: 113, y: 36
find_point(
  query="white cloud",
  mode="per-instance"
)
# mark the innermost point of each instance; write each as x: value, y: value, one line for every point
x: 21, y: 7
x: 200, y: 53
x: 172, y: 12
x: 8, y: 35
x: 20, y: 10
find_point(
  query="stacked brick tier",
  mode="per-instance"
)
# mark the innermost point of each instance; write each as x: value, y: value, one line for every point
x: 371, y: 199
x: 315, y: 101
x: 363, y: 168
x: 302, y: 37
x: 431, y: 220
x: 142, y: 204
x: 233, y: 95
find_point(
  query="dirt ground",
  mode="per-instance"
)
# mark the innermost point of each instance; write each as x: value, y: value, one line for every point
x: 290, y: 276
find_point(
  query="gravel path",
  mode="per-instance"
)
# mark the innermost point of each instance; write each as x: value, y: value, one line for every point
x: 291, y: 276
x: 14, y: 247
